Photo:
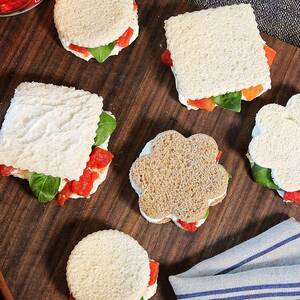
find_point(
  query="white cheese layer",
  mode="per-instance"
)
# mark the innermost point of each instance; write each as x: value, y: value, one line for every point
x: 150, y: 291
x: 115, y: 51
x: 146, y: 151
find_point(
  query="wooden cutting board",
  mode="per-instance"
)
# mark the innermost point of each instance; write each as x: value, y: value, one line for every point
x: 36, y: 240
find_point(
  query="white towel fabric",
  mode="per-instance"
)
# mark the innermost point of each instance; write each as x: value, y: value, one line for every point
x: 264, y: 267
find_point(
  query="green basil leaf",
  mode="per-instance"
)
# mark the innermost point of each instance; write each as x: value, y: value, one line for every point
x: 102, y: 53
x: 106, y: 127
x: 230, y: 101
x: 206, y: 214
x: 263, y: 177
x: 44, y: 188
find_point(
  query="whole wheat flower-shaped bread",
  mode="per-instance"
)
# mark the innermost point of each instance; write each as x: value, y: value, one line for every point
x: 179, y: 177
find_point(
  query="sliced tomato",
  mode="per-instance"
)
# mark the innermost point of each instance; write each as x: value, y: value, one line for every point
x: 84, y: 186
x: 7, y: 6
x: 252, y: 92
x: 166, y: 58
x: 123, y: 40
x: 99, y: 158
x: 5, y: 171
x: 154, y: 266
x: 135, y: 5
x: 292, y: 196
x: 79, y: 49
x: 191, y: 227
x: 206, y: 104
x: 65, y: 194
x: 270, y: 54
x: 219, y: 156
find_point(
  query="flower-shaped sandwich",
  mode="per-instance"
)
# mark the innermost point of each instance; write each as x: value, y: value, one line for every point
x: 178, y: 178
x: 274, y: 151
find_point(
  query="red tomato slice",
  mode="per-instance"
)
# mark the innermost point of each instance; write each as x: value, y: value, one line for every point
x: 292, y: 196
x: 79, y: 49
x: 123, y: 40
x: 65, y: 194
x: 135, y: 5
x: 7, y: 6
x: 84, y: 186
x: 205, y: 104
x: 166, y: 58
x: 270, y: 54
x: 219, y: 156
x: 191, y: 227
x: 5, y: 171
x: 154, y: 266
x: 99, y: 158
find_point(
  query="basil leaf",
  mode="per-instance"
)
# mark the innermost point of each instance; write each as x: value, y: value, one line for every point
x: 106, y: 127
x: 102, y: 53
x: 230, y: 101
x: 263, y: 177
x: 44, y: 187
x: 206, y: 214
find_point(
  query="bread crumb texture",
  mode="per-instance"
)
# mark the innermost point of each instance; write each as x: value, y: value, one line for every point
x: 179, y: 177
x: 216, y: 51
x: 50, y: 129
x: 92, y: 23
x: 277, y: 143
x: 108, y: 265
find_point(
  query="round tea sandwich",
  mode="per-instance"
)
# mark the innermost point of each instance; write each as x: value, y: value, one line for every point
x: 109, y: 265
x: 178, y: 179
x: 96, y: 29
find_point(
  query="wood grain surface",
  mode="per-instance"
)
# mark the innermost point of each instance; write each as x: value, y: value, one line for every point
x: 36, y: 240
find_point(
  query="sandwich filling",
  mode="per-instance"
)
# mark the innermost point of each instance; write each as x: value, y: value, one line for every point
x: 47, y: 188
x: 187, y: 226
x: 230, y: 100
x: 101, y: 53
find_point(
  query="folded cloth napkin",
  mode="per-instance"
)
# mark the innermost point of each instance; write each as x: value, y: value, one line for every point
x: 264, y: 267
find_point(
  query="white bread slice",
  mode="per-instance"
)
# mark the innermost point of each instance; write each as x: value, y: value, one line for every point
x: 179, y: 177
x: 108, y: 265
x: 216, y: 51
x: 50, y: 129
x: 92, y: 23
x: 276, y: 143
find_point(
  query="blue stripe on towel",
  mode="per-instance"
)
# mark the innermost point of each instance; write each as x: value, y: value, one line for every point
x: 259, y: 254
x: 240, y: 289
x: 260, y: 296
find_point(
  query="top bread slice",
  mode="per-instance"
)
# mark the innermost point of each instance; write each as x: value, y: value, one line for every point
x: 50, y: 129
x: 92, y: 23
x: 216, y: 51
x: 276, y: 143
x: 108, y: 265
x: 180, y: 177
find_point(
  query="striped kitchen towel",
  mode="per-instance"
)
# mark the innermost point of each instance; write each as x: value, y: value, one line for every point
x: 265, y: 267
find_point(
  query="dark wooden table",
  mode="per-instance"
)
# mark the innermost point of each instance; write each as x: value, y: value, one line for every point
x: 36, y: 240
